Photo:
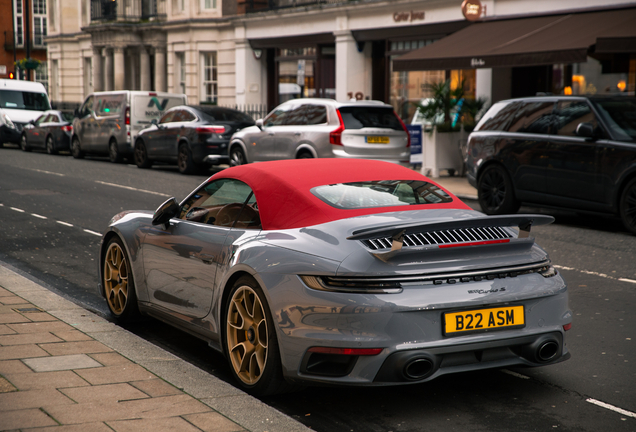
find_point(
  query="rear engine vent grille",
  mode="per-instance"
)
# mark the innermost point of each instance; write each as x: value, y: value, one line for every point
x: 460, y: 235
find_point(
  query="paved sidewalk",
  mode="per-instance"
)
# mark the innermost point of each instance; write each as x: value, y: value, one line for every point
x: 458, y: 186
x: 65, y: 369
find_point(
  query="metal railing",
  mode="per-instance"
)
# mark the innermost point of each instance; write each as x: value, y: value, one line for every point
x: 127, y: 10
x: 256, y: 111
x: 250, y: 6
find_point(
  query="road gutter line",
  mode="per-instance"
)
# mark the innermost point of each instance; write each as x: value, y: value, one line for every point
x: 92, y: 232
x: 65, y: 223
x: 611, y: 407
x: 132, y: 188
x: 38, y: 216
x: 47, y: 172
x: 603, y: 275
x: 17, y: 209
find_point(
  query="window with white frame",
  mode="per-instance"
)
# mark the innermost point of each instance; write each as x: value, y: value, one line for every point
x: 19, y: 23
x: 208, y: 4
x: 52, y: 17
x: 180, y: 72
x: 54, y: 88
x: 88, y: 75
x: 39, y: 22
x: 42, y: 75
x: 210, y: 84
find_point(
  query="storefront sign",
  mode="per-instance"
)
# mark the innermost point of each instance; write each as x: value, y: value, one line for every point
x: 408, y: 16
x: 415, y: 131
x: 477, y: 62
x: 472, y: 9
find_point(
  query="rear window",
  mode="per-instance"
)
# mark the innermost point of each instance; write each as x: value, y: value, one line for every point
x: 498, y: 117
x: 370, y: 117
x: 219, y: 114
x: 67, y: 116
x: 24, y: 100
x: 384, y: 193
x: 620, y: 116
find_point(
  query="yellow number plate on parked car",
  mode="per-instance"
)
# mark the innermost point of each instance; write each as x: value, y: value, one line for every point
x: 483, y: 319
x: 378, y: 139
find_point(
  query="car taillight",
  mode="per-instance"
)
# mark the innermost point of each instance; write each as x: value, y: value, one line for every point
x: 211, y: 129
x: 408, y: 135
x: 567, y: 327
x: 127, y: 115
x: 67, y: 128
x: 335, y: 137
x: 347, y: 351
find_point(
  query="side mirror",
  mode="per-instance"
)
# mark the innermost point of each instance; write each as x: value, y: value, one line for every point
x: 165, y: 212
x: 153, y: 122
x: 259, y: 124
x: 585, y: 130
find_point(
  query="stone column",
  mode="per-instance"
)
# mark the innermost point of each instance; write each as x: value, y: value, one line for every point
x: 98, y: 70
x: 119, y: 68
x: 160, y: 69
x: 351, y: 77
x: 144, y: 69
x: 108, y: 69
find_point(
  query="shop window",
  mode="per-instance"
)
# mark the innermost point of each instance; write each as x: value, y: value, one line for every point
x: 209, y: 93
x: 589, y: 79
x: 42, y: 75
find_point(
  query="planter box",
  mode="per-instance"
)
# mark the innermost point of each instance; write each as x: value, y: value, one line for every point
x: 443, y: 151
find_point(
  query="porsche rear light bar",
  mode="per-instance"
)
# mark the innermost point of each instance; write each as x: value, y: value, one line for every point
x: 346, y: 351
x: 335, y: 137
x: 211, y: 129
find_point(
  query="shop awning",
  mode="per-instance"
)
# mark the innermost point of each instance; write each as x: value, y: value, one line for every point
x: 532, y: 41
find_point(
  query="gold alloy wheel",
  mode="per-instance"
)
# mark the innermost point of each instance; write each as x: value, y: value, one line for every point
x: 116, y: 278
x: 247, y: 335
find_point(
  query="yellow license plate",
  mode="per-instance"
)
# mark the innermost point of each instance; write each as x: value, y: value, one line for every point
x: 483, y: 320
x: 378, y: 139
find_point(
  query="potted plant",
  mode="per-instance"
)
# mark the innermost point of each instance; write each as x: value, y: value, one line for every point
x: 472, y: 110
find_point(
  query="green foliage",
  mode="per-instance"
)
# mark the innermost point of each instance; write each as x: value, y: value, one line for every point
x: 29, y: 63
x: 472, y: 110
x: 439, y: 107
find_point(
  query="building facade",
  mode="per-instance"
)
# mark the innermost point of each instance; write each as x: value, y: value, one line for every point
x: 263, y: 52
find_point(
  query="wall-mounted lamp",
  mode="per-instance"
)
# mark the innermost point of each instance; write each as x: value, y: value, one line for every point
x: 257, y: 53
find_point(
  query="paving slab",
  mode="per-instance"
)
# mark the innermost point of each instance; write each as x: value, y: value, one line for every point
x: 59, y: 363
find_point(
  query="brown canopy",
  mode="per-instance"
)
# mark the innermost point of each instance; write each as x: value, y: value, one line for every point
x: 541, y: 40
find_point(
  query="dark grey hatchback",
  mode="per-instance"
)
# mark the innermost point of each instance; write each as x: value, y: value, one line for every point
x: 193, y: 137
x: 559, y: 151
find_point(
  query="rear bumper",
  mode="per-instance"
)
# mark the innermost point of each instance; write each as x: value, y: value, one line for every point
x: 9, y: 135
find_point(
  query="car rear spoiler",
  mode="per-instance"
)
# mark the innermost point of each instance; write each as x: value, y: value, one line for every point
x: 397, y: 232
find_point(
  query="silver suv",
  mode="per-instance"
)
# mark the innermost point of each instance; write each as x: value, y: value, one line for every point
x: 313, y: 128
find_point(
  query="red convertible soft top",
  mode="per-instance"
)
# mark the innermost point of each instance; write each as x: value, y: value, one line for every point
x: 282, y: 189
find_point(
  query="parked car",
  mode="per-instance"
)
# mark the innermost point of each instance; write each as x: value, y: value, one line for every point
x: 320, y: 128
x: 193, y: 137
x: 20, y: 102
x: 339, y: 271
x: 108, y: 122
x: 51, y: 131
x: 563, y: 151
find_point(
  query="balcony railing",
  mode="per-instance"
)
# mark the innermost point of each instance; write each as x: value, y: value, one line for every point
x: 37, y: 42
x: 128, y: 10
x: 250, y: 6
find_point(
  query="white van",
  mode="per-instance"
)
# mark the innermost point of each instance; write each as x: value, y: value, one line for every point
x: 108, y: 122
x: 20, y: 102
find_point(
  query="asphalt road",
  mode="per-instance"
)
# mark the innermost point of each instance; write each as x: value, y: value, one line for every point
x: 54, y: 208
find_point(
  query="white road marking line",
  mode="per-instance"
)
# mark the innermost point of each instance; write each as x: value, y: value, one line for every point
x: 611, y: 407
x: 92, y: 232
x: 48, y: 172
x: 603, y: 275
x: 17, y: 209
x: 132, y: 188
x: 514, y: 374
x: 65, y: 223
x: 38, y: 216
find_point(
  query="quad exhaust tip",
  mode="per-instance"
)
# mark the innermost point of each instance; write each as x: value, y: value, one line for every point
x: 418, y: 368
x: 548, y: 351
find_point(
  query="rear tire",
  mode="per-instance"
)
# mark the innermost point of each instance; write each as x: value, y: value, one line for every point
x: 24, y: 145
x: 237, y: 157
x: 250, y: 342
x: 184, y: 160
x: 495, y: 192
x: 113, y: 151
x: 628, y: 206
x: 141, y: 155
x: 50, y: 146
x: 76, y: 149
x: 304, y: 154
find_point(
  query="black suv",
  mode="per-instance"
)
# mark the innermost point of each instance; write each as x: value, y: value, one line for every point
x: 559, y: 151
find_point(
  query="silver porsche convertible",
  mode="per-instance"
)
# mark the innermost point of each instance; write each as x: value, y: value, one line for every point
x: 339, y: 271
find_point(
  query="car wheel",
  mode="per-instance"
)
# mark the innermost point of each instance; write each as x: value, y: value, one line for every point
x: 24, y: 145
x: 119, y: 286
x: 237, y: 157
x: 50, y: 146
x: 184, y: 160
x: 141, y: 155
x: 304, y: 155
x: 250, y: 340
x: 76, y: 149
x: 628, y: 206
x: 495, y: 192
x: 113, y: 152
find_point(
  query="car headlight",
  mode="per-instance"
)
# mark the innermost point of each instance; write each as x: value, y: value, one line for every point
x: 4, y: 119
